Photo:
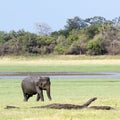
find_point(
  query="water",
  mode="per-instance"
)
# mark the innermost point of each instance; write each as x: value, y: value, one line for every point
x: 14, y: 75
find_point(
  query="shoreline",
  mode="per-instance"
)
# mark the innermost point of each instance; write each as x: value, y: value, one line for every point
x: 49, y: 73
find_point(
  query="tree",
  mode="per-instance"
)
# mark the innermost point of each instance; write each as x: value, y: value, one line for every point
x: 2, y: 36
x: 116, y: 21
x: 91, y: 31
x: 96, y: 20
x: 43, y: 29
x: 96, y: 47
x: 62, y: 45
x: 75, y: 23
x: 56, y: 34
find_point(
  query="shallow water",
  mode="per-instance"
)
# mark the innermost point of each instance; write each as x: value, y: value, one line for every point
x: 22, y: 75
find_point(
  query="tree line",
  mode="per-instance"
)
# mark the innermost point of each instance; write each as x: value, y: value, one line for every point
x: 92, y: 36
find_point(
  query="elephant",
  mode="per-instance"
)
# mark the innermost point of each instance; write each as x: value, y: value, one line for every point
x: 35, y: 85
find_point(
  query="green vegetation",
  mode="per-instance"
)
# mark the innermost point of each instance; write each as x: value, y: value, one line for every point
x: 75, y: 91
x: 60, y: 64
x: 93, y: 36
x: 58, y: 68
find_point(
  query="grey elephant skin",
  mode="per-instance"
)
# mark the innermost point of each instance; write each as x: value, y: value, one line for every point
x: 35, y: 85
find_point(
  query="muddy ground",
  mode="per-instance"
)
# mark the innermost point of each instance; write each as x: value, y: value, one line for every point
x: 46, y: 73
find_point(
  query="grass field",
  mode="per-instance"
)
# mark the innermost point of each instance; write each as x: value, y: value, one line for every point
x: 60, y: 64
x: 74, y: 91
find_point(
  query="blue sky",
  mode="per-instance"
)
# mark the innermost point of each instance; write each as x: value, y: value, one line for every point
x: 23, y: 14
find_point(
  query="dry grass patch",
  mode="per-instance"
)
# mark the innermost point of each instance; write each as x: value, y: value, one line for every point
x: 58, y: 61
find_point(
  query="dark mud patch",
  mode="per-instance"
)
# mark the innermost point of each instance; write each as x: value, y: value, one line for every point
x: 46, y: 73
x: 11, y: 107
x: 69, y: 106
x: 72, y: 106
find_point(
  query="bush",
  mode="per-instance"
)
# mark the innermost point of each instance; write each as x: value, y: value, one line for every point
x: 59, y: 49
x: 95, y: 47
x: 114, y: 47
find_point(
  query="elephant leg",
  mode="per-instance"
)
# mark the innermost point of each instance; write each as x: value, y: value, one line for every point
x: 29, y: 96
x: 49, y: 96
x: 38, y: 97
x: 48, y: 93
x: 41, y: 96
x: 26, y: 97
x: 40, y: 92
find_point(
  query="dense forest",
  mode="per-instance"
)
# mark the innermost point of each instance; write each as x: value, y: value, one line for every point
x: 91, y: 36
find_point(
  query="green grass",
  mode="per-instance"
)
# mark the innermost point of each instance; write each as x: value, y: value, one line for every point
x: 60, y: 64
x: 59, y: 68
x: 74, y: 91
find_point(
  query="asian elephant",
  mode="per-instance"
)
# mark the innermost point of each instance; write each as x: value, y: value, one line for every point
x: 35, y: 85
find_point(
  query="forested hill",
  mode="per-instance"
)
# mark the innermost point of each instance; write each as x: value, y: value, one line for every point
x: 93, y: 36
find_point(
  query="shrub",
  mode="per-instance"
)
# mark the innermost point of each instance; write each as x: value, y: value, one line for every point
x: 95, y: 47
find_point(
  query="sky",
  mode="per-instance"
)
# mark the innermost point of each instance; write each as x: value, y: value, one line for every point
x: 24, y: 14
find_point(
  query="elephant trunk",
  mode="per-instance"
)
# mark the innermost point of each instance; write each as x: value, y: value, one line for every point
x: 48, y: 92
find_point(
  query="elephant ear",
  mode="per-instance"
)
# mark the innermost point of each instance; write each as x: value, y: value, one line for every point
x: 39, y: 84
x: 39, y: 78
x: 48, y: 80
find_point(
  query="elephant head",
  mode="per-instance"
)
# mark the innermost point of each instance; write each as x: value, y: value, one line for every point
x: 44, y: 84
